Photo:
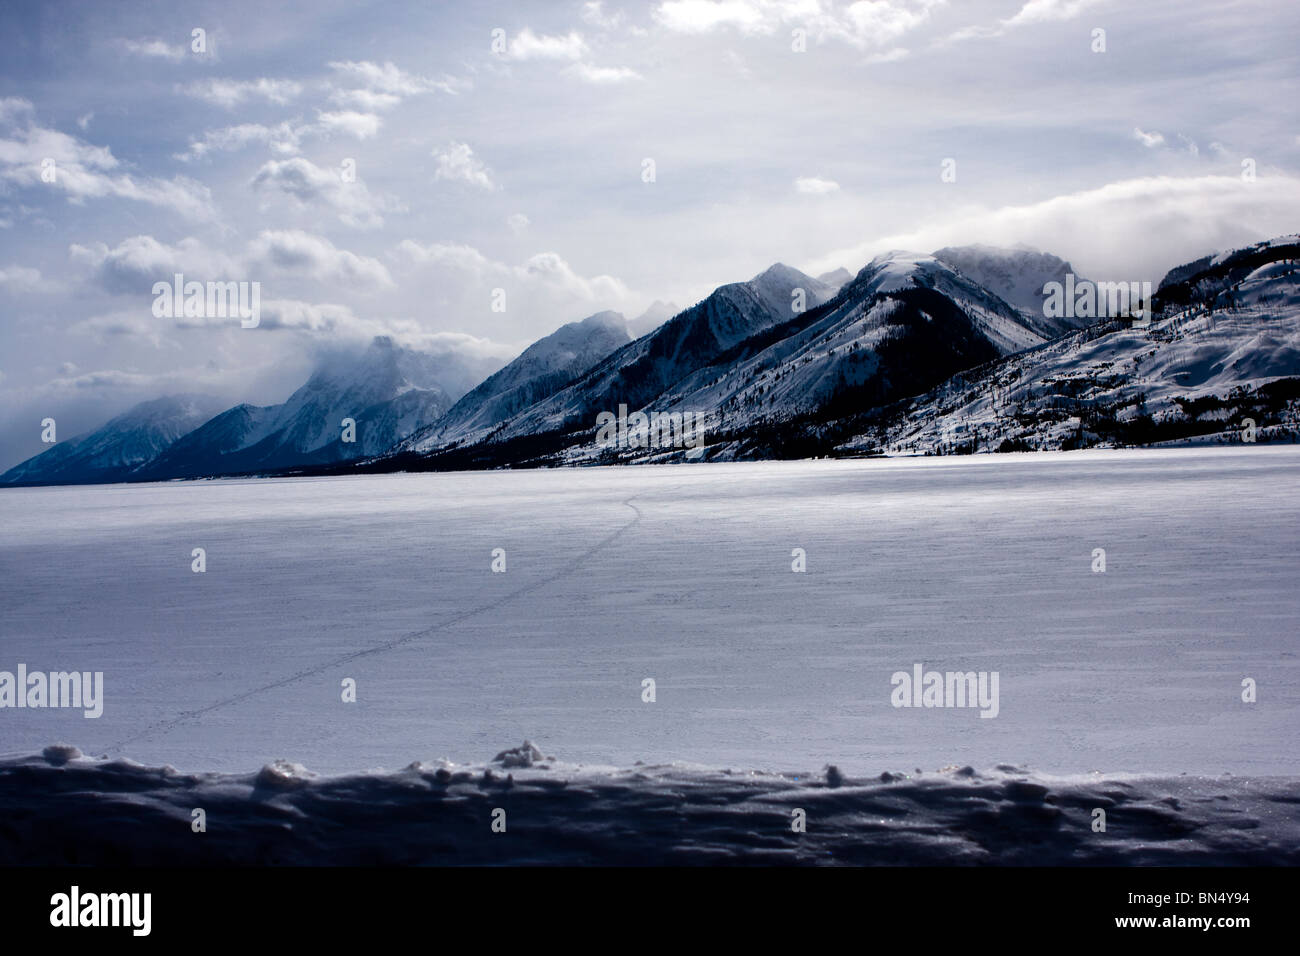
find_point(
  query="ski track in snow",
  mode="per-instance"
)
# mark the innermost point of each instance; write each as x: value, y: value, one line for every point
x: 569, y: 568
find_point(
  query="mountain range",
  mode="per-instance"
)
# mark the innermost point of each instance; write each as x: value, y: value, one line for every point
x: 915, y: 354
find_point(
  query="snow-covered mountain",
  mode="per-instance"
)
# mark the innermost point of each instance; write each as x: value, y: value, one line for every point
x: 836, y: 278
x: 750, y: 364
x: 1223, y: 347
x: 114, y: 450
x: 389, y: 391
x: 656, y: 315
x: 693, y: 339
x: 1015, y: 275
x: 903, y: 323
x: 915, y: 354
x: 544, y: 368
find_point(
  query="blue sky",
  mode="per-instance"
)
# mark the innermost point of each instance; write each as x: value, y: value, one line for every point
x: 518, y: 164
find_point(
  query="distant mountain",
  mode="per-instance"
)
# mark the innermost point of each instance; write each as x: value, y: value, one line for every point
x: 653, y: 317
x: 915, y: 354
x: 114, y: 450
x: 389, y: 391
x: 903, y: 323
x: 544, y: 368
x: 1223, y: 347
x: 836, y: 278
x: 691, y: 340
x: 751, y: 364
x: 1017, y: 276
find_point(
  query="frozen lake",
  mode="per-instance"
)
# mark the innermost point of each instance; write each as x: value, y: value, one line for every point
x: 681, y: 574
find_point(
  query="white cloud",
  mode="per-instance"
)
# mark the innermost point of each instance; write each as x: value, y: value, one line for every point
x: 14, y: 109
x: 298, y: 253
x: 360, y: 125
x: 864, y: 24
x: 1107, y: 231
x: 593, y: 12
x: 154, y: 48
x: 458, y: 162
x: 283, y: 138
x: 602, y: 75
x: 367, y: 101
x: 136, y: 263
x: 701, y: 16
x: 389, y: 79
x: 1034, y: 11
x: 231, y: 93
x: 34, y: 156
x: 1045, y: 11
x: 527, y: 45
x: 518, y: 223
x: 19, y: 277
x: 815, y: 186
x: 551, y: 269
x: 313, y: 186
x: 1149, y: 140
x: 333, y: 322
x: 545, y: 272
x: 454, y: 254
x: 889, y: 56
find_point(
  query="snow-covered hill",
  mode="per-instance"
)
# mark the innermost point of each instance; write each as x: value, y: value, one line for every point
x: 114, y: 450
x: 389, y: 391
x: 544, y: 367
x: 1223, y: 347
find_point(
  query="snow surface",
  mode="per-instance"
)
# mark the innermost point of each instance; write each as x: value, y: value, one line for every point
x: 87, y: 812
x: 681, y: 574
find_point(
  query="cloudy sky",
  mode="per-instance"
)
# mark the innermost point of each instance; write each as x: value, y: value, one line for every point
x: 383, y: 167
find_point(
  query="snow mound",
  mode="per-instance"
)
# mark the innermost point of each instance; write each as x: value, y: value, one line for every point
x: 98, y: 812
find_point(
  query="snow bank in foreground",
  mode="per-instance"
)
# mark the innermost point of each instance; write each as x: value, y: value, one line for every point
x: 63, y: 808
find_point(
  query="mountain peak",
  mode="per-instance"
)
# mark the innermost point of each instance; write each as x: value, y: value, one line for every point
x: 603, y: 320
x: 1016, y: 274
x: 836, y: 278
x: 779, y: 272
x: 654, y: 316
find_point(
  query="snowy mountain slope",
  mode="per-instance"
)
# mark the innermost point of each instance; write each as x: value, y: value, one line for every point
x: 112, y: 451
x: 1017, y: 276
x: 1008, y: 329
x: 656, y: 315
x: 642, y: 370
x: 541, y: 370
x: 905, y: 322
x: 887, y: 328
x: 389, y: 391
x: 836, y: 278
x: 1223, y: 347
